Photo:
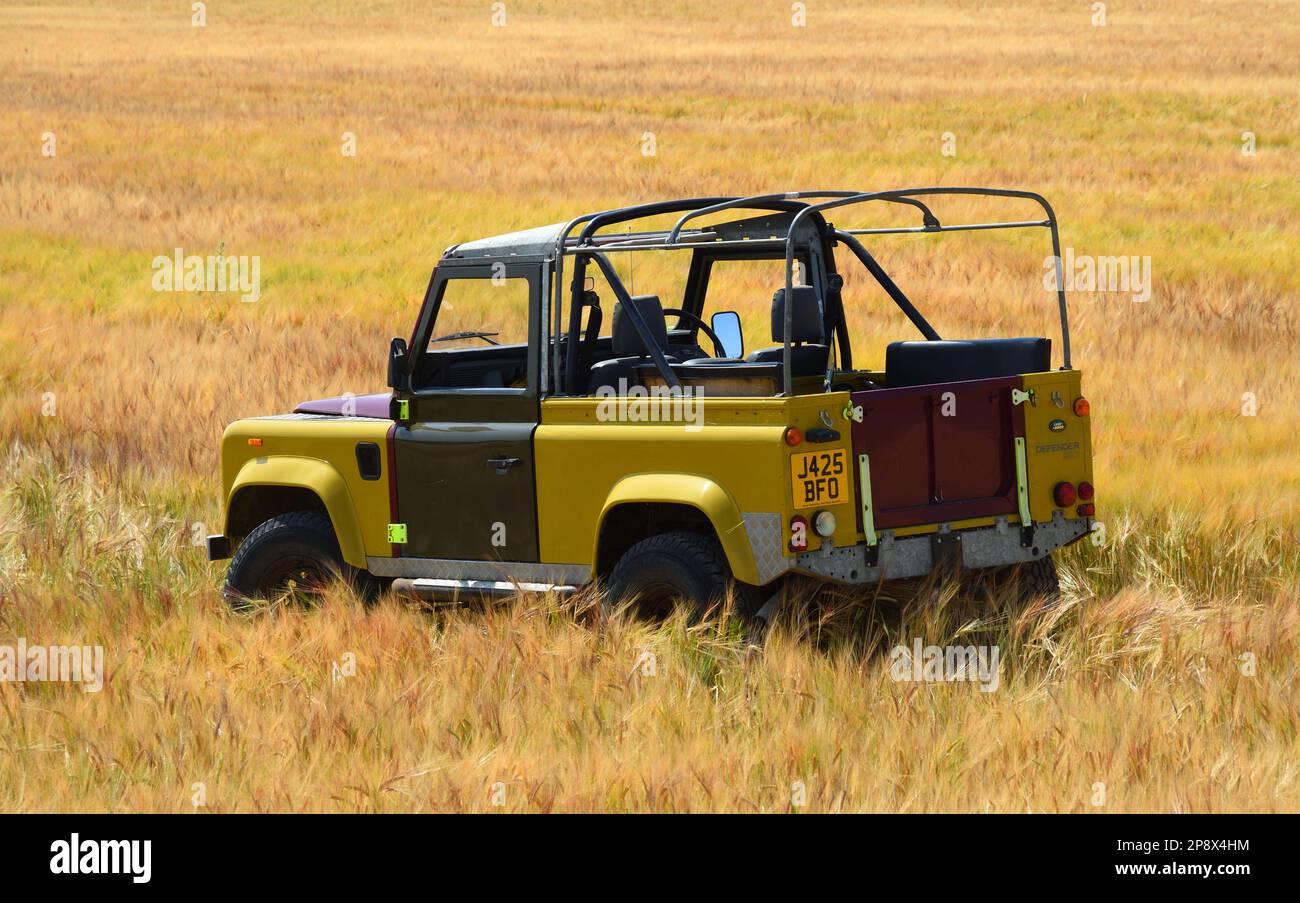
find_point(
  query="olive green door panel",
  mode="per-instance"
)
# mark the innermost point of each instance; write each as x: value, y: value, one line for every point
x: 465, y: 490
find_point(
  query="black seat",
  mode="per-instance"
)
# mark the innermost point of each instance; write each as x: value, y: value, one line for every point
x: 924, y: 363
x: 626, y: 343
x: 808, y: 353
x: 587, y: 342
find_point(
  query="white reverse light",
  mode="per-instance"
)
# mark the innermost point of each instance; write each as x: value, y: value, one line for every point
x: 824, y: 523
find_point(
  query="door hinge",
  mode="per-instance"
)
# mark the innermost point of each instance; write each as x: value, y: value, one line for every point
x: 853, y: 412
x: 397, y: 533
x: 1020, y: 397
x: 403, y: 409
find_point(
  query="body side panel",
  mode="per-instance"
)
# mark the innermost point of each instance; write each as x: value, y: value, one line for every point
x: 731, y: 463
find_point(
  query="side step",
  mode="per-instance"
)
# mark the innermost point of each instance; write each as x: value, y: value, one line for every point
x: 449, y: 590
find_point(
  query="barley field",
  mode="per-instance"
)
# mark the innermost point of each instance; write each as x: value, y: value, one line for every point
x: 1165, y: 681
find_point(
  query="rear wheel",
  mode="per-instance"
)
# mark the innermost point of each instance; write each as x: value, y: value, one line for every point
x: 1032, y: 580
x: 291, y: 555
x: 663, y: 571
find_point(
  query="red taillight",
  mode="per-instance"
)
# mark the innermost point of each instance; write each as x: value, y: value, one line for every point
x: 1064, y: 494
x: 1085, y: 492
x: 1086, y: 510
x: 1081, y: 407
x: 793, y: 435
x: 798, y: 533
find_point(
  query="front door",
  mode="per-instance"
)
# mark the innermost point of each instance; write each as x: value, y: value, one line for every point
x: 464, y: 456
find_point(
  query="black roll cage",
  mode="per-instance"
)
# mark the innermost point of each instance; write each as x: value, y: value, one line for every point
x: 792, y: 210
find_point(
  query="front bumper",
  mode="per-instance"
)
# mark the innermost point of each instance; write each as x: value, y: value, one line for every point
x: 895, y: 558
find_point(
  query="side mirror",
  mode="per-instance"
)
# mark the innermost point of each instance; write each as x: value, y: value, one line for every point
x: 397, y: 364
x: 726, y: 323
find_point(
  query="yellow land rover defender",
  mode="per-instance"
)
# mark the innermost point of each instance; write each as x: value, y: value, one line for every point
x: 552, y: 422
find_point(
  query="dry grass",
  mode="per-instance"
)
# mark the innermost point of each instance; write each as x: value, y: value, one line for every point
x: 228, y: 137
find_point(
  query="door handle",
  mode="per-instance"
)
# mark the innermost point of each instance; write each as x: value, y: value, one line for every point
x: 503, y: 463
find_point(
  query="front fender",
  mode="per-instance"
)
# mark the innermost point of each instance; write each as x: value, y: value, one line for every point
x: 698, y: 492
x: 314, y: 475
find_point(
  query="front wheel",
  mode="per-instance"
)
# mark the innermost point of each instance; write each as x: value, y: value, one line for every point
x: 291, y: 555
x: 663, y: 571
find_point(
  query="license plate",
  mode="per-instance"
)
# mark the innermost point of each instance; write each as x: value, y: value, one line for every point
x: 819, y: 478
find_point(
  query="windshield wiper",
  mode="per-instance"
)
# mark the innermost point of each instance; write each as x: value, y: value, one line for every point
x: 456, y: 336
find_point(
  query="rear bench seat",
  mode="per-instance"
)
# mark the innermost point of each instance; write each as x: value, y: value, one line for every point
x: 924, y: 363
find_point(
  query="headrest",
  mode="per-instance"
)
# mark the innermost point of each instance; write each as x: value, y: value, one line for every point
x: 624, y: 337
x: 807, y: 316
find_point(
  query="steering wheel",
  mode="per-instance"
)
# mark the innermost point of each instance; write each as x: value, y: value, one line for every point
x: 718, y: 349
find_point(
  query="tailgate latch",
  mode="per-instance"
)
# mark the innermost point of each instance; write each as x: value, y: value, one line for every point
x: 1019, y: 396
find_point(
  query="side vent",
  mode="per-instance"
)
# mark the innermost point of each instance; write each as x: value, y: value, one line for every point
x: 368, y: 460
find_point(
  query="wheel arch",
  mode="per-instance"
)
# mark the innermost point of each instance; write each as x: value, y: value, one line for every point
x: 644, y: 504
x: 270, y: 486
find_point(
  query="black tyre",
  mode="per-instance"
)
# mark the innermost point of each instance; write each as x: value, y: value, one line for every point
x: 293, y: 555
x: 663, y: 571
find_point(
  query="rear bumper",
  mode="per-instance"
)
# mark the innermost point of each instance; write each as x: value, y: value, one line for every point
x: 895, y: 558
x: 218, y: 547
